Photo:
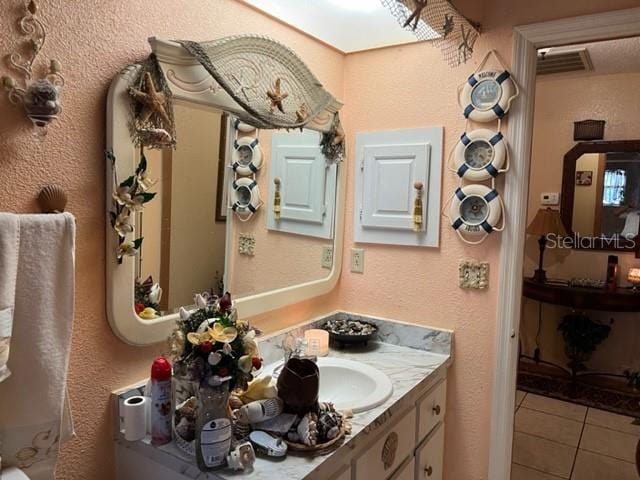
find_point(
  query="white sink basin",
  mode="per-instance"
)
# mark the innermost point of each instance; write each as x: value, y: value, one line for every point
x: 348, y: 384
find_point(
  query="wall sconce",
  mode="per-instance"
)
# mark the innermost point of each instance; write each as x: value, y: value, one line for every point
x: 39, y: 97
x: 634, y: 278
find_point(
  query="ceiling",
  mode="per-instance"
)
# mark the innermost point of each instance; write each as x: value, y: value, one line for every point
x: 348, y: 25
x: 611, y: 56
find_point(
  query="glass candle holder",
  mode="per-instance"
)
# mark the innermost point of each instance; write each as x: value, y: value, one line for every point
x: 317, y: 342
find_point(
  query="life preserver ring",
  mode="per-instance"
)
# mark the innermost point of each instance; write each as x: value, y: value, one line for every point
x: 480, y: 155
x: 247, y: 156
x: 246, y: 197
x: 487, y: 95
x: 475, y: 210
x: 243, y: 127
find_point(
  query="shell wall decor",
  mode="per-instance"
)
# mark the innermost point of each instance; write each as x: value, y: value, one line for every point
x: 39, y: 97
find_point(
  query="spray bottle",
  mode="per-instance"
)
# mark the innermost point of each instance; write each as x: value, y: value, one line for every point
x: 161, y: 409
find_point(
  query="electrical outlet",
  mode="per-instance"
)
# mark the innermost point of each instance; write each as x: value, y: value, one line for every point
x: 357, y: 260
x: 327, y: 256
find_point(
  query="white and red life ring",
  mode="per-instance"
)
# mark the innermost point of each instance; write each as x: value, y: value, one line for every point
x: 475, y: 210
x: 480, y: 154
x: 487, y: 95
x: 247, y: 156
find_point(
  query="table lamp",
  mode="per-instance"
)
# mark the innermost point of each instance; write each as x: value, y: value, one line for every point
x: 634, y: 278
x: 547, y: 221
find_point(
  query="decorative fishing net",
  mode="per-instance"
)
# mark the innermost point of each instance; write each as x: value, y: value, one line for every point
x: 439, y: 22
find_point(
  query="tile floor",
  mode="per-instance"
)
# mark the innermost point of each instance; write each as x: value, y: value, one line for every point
x: 559, y: 440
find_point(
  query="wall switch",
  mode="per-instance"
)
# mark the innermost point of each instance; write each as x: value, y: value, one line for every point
x: 550, y: 198
x: 327, y: 256
x: 357, y: 260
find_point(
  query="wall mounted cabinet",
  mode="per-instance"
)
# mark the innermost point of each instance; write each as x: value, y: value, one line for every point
x: 388, y: 165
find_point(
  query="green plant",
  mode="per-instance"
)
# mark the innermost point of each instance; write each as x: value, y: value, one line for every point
x: 581, y: 336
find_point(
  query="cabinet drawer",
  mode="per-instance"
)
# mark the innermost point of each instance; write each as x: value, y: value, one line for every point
x: 431, y: 409
x: 396, y: 443
x: 406, y: 471
x: 430, y: 456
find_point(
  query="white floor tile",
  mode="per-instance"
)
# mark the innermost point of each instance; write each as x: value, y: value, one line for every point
x: 555, y: 407
x: 612, y: 421
x: 591, y: 466
x: 518, y: 472
x: 543, y: 455
x: 551, y: 427
x: 519, y: 397
x: 615, y: 444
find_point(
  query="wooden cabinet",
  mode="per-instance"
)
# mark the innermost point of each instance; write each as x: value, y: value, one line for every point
x: 406, y: 471
x: 431, y: 409
x: 430, y: 456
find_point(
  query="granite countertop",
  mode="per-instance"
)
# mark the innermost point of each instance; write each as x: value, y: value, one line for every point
x: 409, y: 368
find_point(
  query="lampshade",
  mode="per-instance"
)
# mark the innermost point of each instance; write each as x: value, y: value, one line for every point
x: 634, y: 276
x: 545, y: 222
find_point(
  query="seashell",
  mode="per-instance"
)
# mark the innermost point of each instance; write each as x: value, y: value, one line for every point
x: 256, y: 412
x: 308, y: 429
x: 244, y: 127
x: 235, y: 402
x: 240, y: 431
x: 214, y: 358
x: 184, y: 314
x: 55, y: 66
x: 52, y: 199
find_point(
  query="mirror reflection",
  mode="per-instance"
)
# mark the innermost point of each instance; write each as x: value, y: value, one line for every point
x: 607, y: 195
x: 215, y: 226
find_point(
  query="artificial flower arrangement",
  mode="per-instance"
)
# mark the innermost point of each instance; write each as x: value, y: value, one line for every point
x: 129, y: 196
x: 147, y: 296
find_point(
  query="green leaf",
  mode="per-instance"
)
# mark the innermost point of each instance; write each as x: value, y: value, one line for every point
x: 137, y: 243
x: 128, y: 182
x: 142, y: 166
x: 148, y: 196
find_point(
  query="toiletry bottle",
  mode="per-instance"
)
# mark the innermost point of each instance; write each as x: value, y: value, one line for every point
x: 160, y: 401
x: 612, y: 273
x: 213, y: 426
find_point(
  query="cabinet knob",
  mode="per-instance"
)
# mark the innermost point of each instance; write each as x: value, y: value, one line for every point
x: 436, y: 409
x: 428, y: 471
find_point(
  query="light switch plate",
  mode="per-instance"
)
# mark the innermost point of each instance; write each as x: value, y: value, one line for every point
x: 550, y: 198
x: 326, y: 260
x: 357, y: 260
x: 474, y: 274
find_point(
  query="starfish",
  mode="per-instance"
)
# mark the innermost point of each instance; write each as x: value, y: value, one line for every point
x: 415, y: 16
x: 276, y: 95
x: 153, y: 101
x: 447, y: 28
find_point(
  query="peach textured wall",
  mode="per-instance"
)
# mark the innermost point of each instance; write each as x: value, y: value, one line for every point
x: 393, y: 88
x: 94, y: 40
x: 559, y: 102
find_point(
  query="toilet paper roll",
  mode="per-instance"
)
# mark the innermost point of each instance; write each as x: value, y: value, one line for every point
x: 13, y: 474
x: 135, y: 418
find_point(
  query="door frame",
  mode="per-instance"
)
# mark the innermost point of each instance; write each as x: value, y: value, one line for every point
x: 526, y: 40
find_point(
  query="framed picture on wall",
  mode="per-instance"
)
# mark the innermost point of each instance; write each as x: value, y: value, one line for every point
x: 584, y: 178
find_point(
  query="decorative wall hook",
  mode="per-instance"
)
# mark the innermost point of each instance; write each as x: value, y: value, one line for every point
x: 39, y: 97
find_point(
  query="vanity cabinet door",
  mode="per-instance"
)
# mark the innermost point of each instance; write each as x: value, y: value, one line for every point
x: 343, y: 475
x: 431, y: 409
x: 384, y: 456
x: 430, y: 456
x: 407, y: 471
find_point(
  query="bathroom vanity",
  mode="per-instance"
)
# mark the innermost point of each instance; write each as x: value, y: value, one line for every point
x: 400, y: 439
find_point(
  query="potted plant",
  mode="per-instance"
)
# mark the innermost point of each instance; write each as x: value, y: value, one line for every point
x: 581, y: 336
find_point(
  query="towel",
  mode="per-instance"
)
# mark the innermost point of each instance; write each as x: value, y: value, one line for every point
x: 9, y: 247
x: 34, y: 410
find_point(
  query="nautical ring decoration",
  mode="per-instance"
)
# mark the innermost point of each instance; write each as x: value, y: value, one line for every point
x: 487, y: 95
x: 480, y: 155
x: 475, y: 210
x: 246, y: 198
x: 247, y: 157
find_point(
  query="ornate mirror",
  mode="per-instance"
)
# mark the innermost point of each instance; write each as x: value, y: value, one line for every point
x: 213, y: 217
x: 601, y: 195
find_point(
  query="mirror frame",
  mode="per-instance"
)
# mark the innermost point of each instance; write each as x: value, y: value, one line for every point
x: 569, y: 186
x: 189, y: 81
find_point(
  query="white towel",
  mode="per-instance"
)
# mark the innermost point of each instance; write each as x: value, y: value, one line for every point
x: 34, y: 413
x: 9, y: 247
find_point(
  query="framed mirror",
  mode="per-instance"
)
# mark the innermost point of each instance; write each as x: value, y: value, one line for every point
x: 195, y: 238
x: 600, y: 204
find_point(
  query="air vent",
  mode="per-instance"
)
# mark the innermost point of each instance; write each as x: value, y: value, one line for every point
x: 554, y: 60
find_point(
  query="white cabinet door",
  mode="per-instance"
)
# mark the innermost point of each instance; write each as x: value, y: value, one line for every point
x: 307, y: 185
x: 430, y: 456
x: 389, y: 175
x: 388, y: 165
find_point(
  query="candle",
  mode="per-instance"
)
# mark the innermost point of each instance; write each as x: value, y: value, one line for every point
x: 317, y: 342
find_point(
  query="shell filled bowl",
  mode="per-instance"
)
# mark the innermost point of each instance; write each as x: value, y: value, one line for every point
x: 349, y: 331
